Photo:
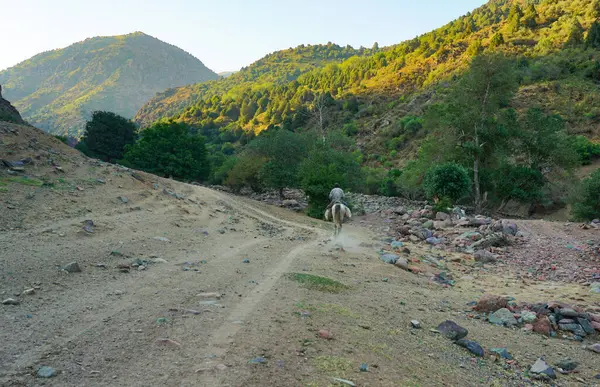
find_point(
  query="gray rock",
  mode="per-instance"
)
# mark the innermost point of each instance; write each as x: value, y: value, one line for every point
x: 428, y: 224
x: 595, y: 287
x: 485, y: 256
x: 575, y: 328
x: 594, y: 347
x: 567, y: 364
x: 442, y: 216
x: 586, y: 325
x: 541, y: 368
x: 568, y: 312
x: 72, y: 267
x: 389, y: 258
x: 401, y: 263
x: 502, y: 353
x: 503, y: 317
x: 433, y: 240
x: 452, y: 330
x: 10, y: 301
x: 123, y: 199
x: 46, y: 372
x: 415, y: 324
x: 472, y: 346
x: 162, y: 239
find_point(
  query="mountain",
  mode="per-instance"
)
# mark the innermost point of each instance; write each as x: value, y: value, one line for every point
x: 226, y: 74
x: 278, y: 68
x: 375, y: 91
x: 57, y: 90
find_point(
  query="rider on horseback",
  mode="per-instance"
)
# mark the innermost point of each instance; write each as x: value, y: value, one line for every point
x: 336, y: 196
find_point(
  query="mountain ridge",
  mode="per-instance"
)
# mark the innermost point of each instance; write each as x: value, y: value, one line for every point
x: 58, y: 89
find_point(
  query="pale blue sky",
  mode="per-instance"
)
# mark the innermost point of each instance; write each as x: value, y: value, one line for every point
x: 225, y: 35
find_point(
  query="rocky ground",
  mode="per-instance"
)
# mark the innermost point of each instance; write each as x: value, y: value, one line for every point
x: 115, y: 277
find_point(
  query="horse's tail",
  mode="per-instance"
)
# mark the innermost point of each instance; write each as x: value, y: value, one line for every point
x: 348, y: 213
x: 337, y: 213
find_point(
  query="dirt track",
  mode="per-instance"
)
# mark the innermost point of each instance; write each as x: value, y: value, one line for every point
x: 103, y: 327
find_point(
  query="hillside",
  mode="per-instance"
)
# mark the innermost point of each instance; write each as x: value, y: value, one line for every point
x: 373, y: 93
x: 8, y: 113
x: 57, y: 90
x: 272, y: 71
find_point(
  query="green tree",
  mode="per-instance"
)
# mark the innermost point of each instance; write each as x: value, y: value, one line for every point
x: 514, y: 18
x: 530, y: 17
x: 284, y: 151
x: 575, y: 36
x: 473, y: 110
x: 447, y: 181
x: 475, y: 48
x: 106, y: 136
x: 169, y: 149
x: 497, y: 40
x: 518, y: 182
x: 593, y: 36
x: 245, y: 173
x: 587, y: 202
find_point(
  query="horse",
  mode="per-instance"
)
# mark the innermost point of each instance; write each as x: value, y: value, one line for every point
x: 338, y: 211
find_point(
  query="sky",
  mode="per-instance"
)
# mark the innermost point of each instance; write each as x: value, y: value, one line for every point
x: 224, y: 34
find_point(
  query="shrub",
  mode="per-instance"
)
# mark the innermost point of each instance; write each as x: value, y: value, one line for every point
x: 245, y: 173
x: 447, y: 181
x: 586, y: 150
x: 587, y: 205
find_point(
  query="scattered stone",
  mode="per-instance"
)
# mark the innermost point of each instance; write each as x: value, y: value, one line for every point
x: 434, y: 240
x: 210, y: 295
x: 46, y: 372
x: 415, y: 324
x: 246, y: 260
x: 442, y: 216
x: 10, y: 301
x: 594, y: 347
x: 595, y: 287
x: 123, y: 199
x: 257, y: 360
x: 364, y: 367
x: 567, y: 364
x: 389, y: 258
x: 397, y: 245
x: 485, y: 256
x: 28, y: 292
x: 528, y: 317
x: 586, y: 326
x: 344, y: 381
x: 325, y: 334
x: 541, y: 368
x: 162, y: 239
x: 158, y: 260
x: 452, y: 330
x: 472, y: 346
x: 502, y: 353
x: 503, y: 317
x: 88, y: 226
x: 169, y: 342
x: 72, y: 267
x: 489, y: 303
x: 542, y: 326
x: 402, y: 263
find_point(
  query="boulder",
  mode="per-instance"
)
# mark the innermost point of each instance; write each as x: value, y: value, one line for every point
x: 489, y: 303
x: 541, y: 368
x: 485, y: 256
x: 542, y: 326
x: 503, y: 317
x: 452, y: 330
x: 472, y: 346
x: 442, y: 216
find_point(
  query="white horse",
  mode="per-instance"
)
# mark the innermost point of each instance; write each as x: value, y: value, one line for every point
x: 338, y: 211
